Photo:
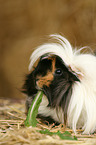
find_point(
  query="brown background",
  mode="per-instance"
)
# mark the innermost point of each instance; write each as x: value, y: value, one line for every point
x: 24, y: 24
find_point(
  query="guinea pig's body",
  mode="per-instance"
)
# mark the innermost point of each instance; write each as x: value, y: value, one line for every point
x: 68, y: 80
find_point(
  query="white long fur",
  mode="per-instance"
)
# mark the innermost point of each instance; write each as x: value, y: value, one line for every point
x: 82, y: 106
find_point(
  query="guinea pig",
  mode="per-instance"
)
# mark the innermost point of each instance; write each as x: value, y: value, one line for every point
x: 67, y: 78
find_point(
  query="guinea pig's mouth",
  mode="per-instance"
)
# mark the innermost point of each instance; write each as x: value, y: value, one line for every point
x: 47, y: 92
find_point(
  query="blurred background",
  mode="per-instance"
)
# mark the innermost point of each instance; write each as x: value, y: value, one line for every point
x: 24, y: 24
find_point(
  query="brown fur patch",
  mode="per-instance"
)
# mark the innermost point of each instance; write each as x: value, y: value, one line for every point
x: 46, y: 80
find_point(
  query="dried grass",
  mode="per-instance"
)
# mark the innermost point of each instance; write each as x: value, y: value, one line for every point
x: 13, y: 131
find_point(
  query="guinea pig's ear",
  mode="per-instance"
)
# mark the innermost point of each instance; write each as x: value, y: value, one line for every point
x: 29, y: 87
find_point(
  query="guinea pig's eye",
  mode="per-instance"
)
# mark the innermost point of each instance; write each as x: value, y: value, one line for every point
x: 58, y: 71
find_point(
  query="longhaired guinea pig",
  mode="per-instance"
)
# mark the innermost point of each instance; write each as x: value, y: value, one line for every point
x: 67, y: 78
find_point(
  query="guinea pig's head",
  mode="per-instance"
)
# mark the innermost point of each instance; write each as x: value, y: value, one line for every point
x: 54, y: 78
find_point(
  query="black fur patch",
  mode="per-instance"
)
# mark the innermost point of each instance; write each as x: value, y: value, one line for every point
x: 29, y: 86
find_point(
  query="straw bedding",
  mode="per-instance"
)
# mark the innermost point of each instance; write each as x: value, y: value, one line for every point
x: 13, y: 131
